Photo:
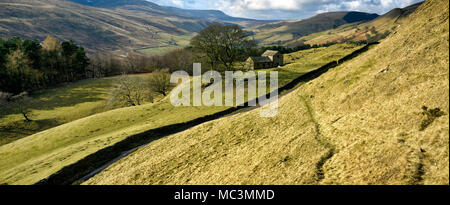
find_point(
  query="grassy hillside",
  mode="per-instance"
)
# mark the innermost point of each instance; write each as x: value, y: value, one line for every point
x: 363, y: 122
x: 381, y: 26
x: 58, y: 106
x: 174, y: 42
x: 35, y: 157
x: 113, y: 26
x: 284, y: 31
x: 98, y: 29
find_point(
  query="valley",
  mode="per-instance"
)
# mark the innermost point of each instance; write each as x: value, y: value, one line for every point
x: 363, y: 97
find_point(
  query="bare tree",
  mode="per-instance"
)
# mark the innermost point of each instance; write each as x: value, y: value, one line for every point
x: 131, y: 63
x: 137, y: 63
x: 159, y: 82
x: 130, y: 90
x: 206, y: 43
x: 20, y: 103
x: 102, y: 65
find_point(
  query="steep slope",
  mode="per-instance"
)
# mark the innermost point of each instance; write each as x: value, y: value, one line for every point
x: 284, y: 31
x: 363, y: 122
x: 377, y: 28
x: 98, y: 29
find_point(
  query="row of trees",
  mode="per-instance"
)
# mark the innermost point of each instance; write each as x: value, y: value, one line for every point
x: 27, y: 65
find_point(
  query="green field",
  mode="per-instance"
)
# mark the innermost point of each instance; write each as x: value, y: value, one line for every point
x: 169, y: 43
x: 58, y: 106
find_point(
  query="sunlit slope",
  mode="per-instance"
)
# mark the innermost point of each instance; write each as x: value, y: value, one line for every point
x: 360, y: 123
x: 381, y: 26
x: 285, y: 31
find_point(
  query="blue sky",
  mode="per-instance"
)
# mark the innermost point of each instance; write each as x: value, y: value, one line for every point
x: 287, y: 9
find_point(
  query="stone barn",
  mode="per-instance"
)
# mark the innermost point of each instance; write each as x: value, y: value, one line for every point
x: 268, y: 59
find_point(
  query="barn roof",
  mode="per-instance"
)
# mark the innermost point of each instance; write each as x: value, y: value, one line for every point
x: 270, y: 53
x: 262, y: 59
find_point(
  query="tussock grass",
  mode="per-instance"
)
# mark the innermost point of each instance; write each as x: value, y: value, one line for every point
x: 372, y: 122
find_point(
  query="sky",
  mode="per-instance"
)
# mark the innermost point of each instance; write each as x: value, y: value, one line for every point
x: 287, y: 9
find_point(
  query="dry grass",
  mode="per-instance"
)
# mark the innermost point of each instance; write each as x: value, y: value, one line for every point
x: 366, y: 113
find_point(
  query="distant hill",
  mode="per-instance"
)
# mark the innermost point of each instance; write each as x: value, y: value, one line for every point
x: 116, y: 3
x: 279, y: 32
x: 118, y: 26
x: 217, y: 15
x: 98, y: 29
x: 143, y: 5
x: 359, y: 31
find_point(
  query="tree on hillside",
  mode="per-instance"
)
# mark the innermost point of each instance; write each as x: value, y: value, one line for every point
x: 27, y: 65
x: 137, y: 63
x: 21, y: 103
x: 102, y: 65
x: 51, y: 44
x: 32, y: 50
x: 21, y: 74
x: 3, y: 53
x: 180, y: 59
x: 221, y: 45
x: 75, y: 61
x: 160, y: 82
x: 130, y: 91
x: 205, y: 45
x: 132, y: 62
x: 51, y: 49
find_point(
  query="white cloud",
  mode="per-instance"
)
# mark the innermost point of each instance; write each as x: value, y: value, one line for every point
x: 269, y: 4
x: 288, y: 9
x: 178, y: 3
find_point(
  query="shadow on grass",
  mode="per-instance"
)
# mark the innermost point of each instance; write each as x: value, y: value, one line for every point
x: 22, y: 129
x: 65, y: 96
